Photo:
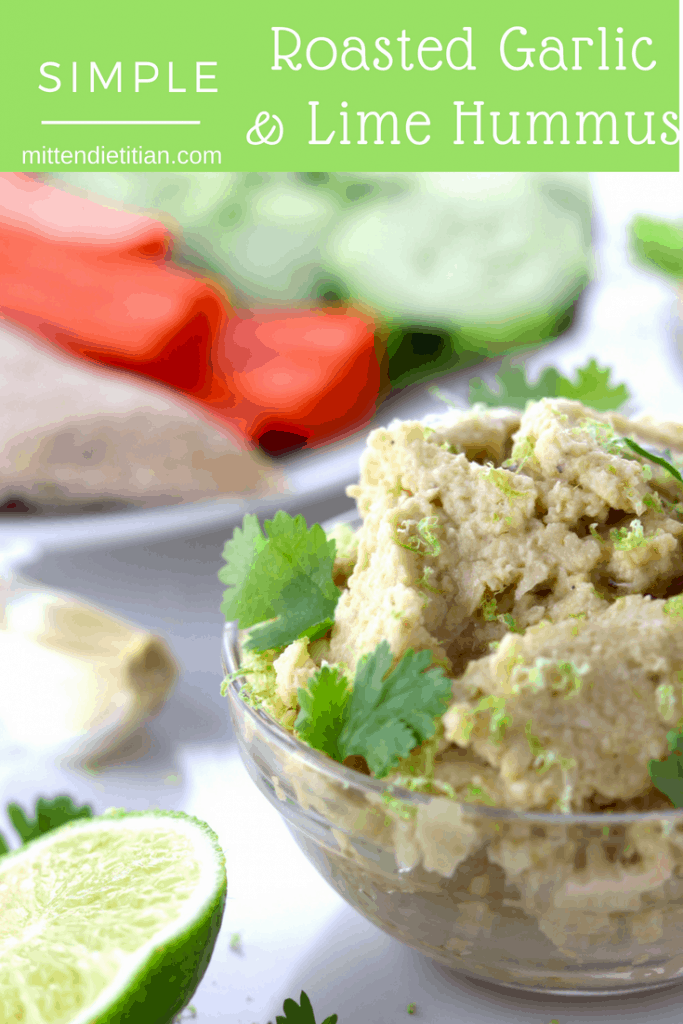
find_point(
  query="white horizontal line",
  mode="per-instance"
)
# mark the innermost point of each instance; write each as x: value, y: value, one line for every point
x: 120, y: 122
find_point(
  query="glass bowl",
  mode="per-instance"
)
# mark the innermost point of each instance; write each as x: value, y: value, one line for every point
x: 567, y: 904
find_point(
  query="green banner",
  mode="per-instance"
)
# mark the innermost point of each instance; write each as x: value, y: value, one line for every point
x: 506, y: 85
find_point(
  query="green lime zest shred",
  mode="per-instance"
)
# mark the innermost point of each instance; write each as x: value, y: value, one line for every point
x: 426, y: 542
x: 628, y: 538
x: 666, y: 701
x: 478, y: 795
x: 674, y: 607
x: 652, y: 501
x: 401, y: 808
x: 500, y: 478
x: 510, y: 623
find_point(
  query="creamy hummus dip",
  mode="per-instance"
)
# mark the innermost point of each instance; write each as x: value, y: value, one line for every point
x: 539, y: 558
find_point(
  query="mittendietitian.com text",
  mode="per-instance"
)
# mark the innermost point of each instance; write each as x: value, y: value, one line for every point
x: 125, y: 156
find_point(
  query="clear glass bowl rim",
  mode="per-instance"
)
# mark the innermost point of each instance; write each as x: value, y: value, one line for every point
x: 348, y: 777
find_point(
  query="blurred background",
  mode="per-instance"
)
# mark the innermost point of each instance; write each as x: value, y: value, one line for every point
x: 110, y: 683
x: 454, y: 266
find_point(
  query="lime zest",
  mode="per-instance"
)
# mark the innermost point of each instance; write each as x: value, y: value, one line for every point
x: 628, y: 538
x: 674, y: 607
x: 522, y: 451
x: 478, y: 795
x: 402, y: 808
x: 426, y: 542
x: 500, y: 478
x: 666, y: 701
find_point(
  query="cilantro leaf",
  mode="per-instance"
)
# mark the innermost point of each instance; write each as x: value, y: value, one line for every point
x: 514, y: 388
x: 592, y: 387
x: 239, y: 553
x: 659, y: 244
x: 321, y: 716
x: 49, y: 814
x: 385, y: 715
x: 286, y: 577
x: 301, y: 1013
x: 390, y: 712
x: 667, y: 776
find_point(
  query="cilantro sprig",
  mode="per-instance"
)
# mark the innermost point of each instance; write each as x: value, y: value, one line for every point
x: 387, y: 713
x: 48, y: 814
x: 667, y: 775
x: 285, y: 576
x: 592, y: 387
x: 301, y: 1012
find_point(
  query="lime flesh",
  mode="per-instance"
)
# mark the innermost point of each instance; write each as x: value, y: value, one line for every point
x: 110, y: 919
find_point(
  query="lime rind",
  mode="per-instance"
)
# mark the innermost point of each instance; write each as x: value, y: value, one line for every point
x: 147, y: 984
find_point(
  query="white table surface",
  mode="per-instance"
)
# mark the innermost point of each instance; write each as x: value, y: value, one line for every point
x: 296, y: 932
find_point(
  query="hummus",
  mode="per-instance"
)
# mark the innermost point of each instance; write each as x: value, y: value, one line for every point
x: 537, y: 559
x: 540, y: 560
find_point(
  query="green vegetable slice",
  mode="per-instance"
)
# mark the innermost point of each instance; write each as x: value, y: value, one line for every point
x: 109, y: 920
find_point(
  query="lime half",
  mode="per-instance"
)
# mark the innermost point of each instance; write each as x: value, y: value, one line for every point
x: 109, y: 920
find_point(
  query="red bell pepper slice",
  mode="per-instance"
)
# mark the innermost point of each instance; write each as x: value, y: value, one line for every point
x: 300, y: 377
x: 99, y: 283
